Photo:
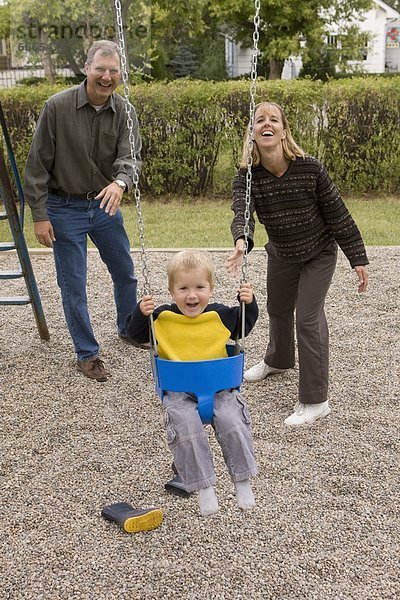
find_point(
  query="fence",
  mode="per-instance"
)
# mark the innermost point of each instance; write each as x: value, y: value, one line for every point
x: 10, y: 77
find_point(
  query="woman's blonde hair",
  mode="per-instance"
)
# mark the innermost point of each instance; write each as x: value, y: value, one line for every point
x: 290, y: 149
x: 187, y: 260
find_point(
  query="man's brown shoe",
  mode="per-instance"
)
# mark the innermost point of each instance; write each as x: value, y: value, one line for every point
x: 93, y: 368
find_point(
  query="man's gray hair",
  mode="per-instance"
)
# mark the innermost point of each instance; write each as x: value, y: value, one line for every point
x: 106, y: 48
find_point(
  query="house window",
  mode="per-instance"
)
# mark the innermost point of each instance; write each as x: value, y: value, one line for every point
x: 230, y: 56
x: 332, y: 41
x: 364, y: 49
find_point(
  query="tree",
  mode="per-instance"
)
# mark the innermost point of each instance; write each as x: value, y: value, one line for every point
x: 324, y: 62
x: 289, y: 27
x: 184, y: 63
x: 59, y: 32
x: 185, y: 32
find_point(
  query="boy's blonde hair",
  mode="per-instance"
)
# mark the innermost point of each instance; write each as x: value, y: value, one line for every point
x: 290, y: 149
x: 187, y: 260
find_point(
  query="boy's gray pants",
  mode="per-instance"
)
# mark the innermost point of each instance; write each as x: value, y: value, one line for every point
x: 302, y: 287
x: 188, y: 439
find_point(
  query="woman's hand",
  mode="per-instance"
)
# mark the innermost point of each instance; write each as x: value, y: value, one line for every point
x: 234, y: 261
x: 246, y: 293
x: 147, y: 305
x: 362, y: 274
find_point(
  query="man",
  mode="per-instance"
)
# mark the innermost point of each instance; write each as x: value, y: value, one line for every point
x: 78, y: 167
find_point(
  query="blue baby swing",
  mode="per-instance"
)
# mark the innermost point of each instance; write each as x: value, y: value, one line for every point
x: 202, y: 378
x: 205, y: 377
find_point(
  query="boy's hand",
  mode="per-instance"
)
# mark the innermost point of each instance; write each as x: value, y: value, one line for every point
x: 246, y: 293
x: 147, y: 305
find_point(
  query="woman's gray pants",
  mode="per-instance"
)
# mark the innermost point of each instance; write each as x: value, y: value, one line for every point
x: 301, y: 287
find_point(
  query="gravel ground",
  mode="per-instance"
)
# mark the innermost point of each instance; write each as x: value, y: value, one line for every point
x: 326, y: 525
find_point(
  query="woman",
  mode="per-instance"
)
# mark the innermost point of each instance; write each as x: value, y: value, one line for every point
x: 305, y: 219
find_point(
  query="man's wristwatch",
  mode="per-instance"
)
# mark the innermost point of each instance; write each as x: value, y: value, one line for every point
x: 120, y: 184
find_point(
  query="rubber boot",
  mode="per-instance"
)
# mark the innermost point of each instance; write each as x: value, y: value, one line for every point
x: 132, y: 519
x: 175, y: 486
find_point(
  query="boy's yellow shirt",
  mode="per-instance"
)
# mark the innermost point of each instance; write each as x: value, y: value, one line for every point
x: 191, y: 338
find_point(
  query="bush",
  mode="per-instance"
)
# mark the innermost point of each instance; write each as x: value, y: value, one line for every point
x: 361, y: 134
x: 186, y: 125
x: 22, y: 106
x: 182, y: 129
x: 193, y: 130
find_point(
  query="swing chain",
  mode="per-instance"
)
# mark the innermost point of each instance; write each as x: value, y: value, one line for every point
x: 134, y: 157
x: 250, y: 143
x: 128, y: 108
x: 132, y: 143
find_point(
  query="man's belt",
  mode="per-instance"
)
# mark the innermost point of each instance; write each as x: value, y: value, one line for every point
x: 89, y: 196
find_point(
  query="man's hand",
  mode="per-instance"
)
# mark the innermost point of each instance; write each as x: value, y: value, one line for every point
x: 246, y: 293
x: 44, y: 233
x: 147, y: 305
x: 111, y: 197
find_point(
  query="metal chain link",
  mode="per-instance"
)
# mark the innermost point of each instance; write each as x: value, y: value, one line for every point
x: 250, y: 143
x: 132, y: 144
x: 134, y: 157
x: 128, y: 108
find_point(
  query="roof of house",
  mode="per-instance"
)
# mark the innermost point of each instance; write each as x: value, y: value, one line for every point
x: 391, y: 12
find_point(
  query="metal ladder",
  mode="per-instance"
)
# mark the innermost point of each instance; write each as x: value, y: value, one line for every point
x: 19, y: 244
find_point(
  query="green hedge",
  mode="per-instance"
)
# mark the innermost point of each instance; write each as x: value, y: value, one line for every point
x: 193, y: 130
x: 361, y: 136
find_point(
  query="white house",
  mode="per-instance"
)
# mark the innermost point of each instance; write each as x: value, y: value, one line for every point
x: 382, y: 54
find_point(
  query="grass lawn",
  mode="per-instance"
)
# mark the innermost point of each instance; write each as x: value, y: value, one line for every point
x: 202, y: 222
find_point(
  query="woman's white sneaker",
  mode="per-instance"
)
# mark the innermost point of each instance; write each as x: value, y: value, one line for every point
x: 308, y: 413
x: 260, y: 372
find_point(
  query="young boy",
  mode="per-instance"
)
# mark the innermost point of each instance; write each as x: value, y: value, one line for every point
x: 194, y: 329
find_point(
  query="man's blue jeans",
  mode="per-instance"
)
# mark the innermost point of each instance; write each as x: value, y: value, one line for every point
x: 73, y: 220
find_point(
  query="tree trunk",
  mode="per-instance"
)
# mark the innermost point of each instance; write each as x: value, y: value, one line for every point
x: 71, y: 62
x: 275, y: 68
x: 45, y: 55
